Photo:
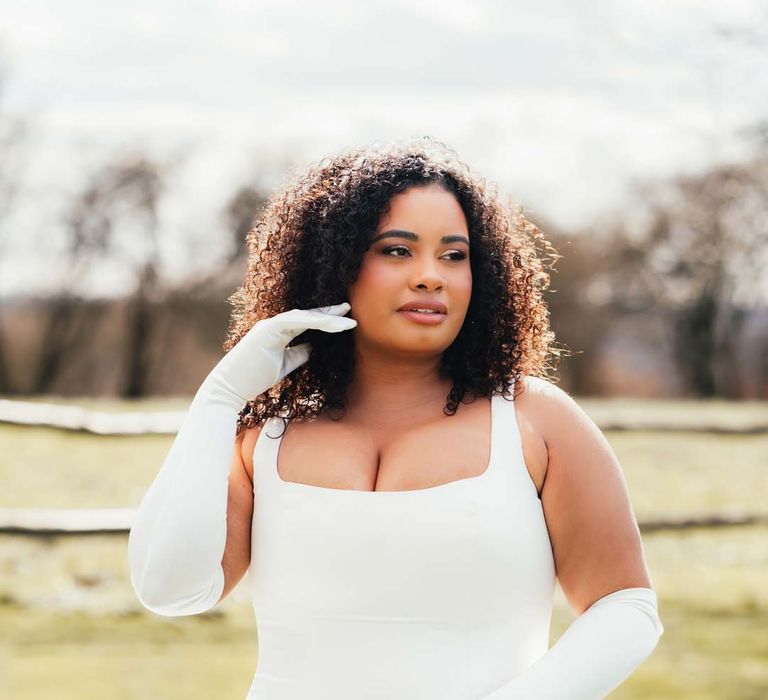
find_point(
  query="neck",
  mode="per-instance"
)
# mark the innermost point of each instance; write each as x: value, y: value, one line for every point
x: 387, y: 388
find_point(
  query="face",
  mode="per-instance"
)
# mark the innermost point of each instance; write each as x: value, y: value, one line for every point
x: 419, y: 253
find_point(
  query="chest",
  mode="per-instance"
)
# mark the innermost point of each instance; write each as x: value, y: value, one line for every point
x: 429, y: 453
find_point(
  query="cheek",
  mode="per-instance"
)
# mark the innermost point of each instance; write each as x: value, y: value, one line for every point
x: 373, y: 285
x: 462, y: 287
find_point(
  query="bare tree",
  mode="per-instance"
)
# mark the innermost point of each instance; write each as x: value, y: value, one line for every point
x: 13, y: 134
x: 701, y: 257
x: 241, y: 211
x: 123, y: 192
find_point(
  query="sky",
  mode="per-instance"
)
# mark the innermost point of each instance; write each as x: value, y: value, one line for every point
x: 563, y: 104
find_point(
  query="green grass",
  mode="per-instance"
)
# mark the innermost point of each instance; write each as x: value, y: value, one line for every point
x: 669, y: 474
x: 79, y: 656
x: 72, y: 628
x: 78, y: 632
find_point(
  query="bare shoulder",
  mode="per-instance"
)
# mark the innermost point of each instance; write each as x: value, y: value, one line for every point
x: 544, y: 389
x: 545, y: 415
x: 585, y: 499
x: 531, y: 413
x: 546, y: 407
x: 247, y: 439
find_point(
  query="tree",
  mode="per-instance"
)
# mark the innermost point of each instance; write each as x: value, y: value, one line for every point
x: 124, y: 192
x: 702, y: 257
x: 13, y: 134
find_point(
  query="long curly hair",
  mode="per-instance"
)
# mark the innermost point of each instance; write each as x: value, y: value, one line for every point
x: 306, y: 247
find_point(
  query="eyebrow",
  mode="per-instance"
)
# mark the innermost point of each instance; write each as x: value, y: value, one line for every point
x: 411, y: 236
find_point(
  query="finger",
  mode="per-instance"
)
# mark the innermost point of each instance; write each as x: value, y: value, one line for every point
x: 295, y: 357
x: 321, y: 320
x: 333, y: 324
x: 335, y: 309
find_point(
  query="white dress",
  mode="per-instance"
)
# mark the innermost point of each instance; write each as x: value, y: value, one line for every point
x: 443, y: 592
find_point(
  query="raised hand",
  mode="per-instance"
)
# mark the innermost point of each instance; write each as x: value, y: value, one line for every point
x: 260, y: 359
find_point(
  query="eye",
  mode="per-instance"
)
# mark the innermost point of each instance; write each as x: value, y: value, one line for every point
x: 458, y: 254
x: 389, y: 249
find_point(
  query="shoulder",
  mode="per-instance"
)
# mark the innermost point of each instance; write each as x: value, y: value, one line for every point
x: 553, y: 427
x: 549, y: 409
x: 533, y: 412
x: 543, y: 390
x: 585, y: 500
x: 246, y: 439
x: 577, y: 450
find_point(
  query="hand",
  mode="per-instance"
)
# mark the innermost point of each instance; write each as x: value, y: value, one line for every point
x: 261, y: 359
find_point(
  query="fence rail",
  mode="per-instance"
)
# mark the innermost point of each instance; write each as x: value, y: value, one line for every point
x: 100, y: 521
x: 71, y: 418
x: 65, y: 521
x: 91, y: 521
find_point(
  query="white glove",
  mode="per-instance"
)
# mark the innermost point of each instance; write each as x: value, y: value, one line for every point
x: 595, y: 654
x: 177, y: 540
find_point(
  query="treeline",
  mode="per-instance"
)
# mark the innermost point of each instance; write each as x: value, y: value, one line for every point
x: 667, y: 299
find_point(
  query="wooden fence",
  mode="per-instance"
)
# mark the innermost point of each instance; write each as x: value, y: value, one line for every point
x: 99, y: 521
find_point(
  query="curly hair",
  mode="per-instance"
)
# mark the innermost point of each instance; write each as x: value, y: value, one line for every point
x: 306, y: 247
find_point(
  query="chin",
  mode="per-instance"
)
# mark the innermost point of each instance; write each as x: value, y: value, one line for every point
x: 425, y: 342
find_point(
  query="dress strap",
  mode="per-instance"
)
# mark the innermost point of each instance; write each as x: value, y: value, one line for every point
x: 266, y: 449
x: 513, y: 457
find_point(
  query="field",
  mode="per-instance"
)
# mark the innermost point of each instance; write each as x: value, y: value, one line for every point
x: 72, y: 628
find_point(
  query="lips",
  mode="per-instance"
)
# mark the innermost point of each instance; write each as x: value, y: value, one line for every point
x: 430, y: 305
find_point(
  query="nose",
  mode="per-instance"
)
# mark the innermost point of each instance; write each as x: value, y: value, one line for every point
x: 428, y: 276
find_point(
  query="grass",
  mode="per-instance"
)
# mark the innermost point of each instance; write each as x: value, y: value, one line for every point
x: 73, y: 629
x: 668, y: 474
x: 72, y: 614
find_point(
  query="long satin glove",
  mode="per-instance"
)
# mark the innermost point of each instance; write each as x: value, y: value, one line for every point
x: 595, y: 654
x: 179, y: 532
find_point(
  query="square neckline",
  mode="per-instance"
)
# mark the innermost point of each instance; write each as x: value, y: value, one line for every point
x: 448, y: 485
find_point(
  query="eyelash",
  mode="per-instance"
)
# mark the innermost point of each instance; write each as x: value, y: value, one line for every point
x: 388, y: 249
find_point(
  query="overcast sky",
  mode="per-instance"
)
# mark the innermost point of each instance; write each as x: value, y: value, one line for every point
x: 562, y: 103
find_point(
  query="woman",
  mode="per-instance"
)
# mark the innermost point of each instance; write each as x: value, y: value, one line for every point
x: 403, y: 514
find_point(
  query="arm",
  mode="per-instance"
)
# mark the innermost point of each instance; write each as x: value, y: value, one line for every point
x: 237, y: 551
x: 595, y: 654
x: 178, y: 537
x: 598, y: 557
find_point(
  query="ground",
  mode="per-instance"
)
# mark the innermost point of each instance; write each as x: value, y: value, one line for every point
x: 77, y: 632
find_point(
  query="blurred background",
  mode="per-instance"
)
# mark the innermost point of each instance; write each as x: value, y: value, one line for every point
x: 138, y: 142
